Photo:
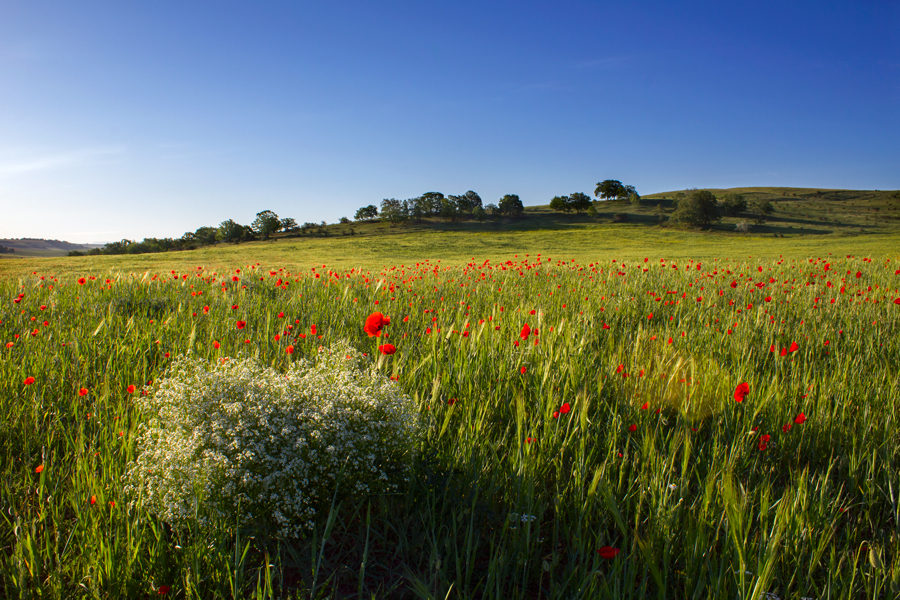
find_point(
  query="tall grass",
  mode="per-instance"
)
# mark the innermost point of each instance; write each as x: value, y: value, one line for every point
x: 515, y: 493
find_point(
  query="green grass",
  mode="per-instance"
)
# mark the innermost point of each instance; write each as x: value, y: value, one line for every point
x: 694, y: 506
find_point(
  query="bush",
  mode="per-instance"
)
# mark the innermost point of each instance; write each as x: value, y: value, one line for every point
x: 743, y: 227
x: 263, y: 449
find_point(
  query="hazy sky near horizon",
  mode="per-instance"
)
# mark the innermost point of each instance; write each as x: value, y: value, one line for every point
x: 132, y: 120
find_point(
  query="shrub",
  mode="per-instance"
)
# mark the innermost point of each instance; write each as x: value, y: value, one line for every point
x: 743, y: 227
x: 266, y: 449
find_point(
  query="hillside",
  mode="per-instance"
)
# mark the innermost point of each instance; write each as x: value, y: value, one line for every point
x: 798, y: 212
x: 37, y: 247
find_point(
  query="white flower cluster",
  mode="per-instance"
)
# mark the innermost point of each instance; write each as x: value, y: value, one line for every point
x: 236, y: 440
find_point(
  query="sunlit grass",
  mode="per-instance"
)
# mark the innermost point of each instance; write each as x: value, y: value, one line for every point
x: 514, y: 495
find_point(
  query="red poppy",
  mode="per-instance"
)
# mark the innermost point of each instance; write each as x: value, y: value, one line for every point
x: 765, y: 437
x: 786, y: 428
x: 800, y: 419
x: 858, y: 274
x: 451, y: 401
x: 130, y: 389
x: 289, y: 349
x: 387, y: 349
x: 632, y: 428
x: 608, y: 552
x: 555, y: 414
x: 896, y: 300
x: 93, y: 500
x: 741, y: 392
x: 241, y: 324
x: 28, y: 380
x: 565, y: 408
x: 281, y: 315
x: 312, y: 330
x: 522, y: 370
x: 83, y: 392
x: 772, y: 348
x: 763, y: 445
x: 794, y: 347
x: 39, y: 469
x: 81, y: 281
x: 526, y: 331
x: 784, y: 352
x: 216, y: 344
x: 163, y: 590
x: 375, y: 323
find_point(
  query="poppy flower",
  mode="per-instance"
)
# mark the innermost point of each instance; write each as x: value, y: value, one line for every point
x: 526, y: 331
x: 130, y: 389
x: 28, y: 380
x: 83, y: 392
x: 312, y: 330
x: 93, y: 500
x: 216, y: 344
x: 645, y: 406
x: 608, y: 552
x: 387, y: 349
x: 763, y: 445
x: 741, y: 392
x: 800, y: 419
x: 555, y: 414
x: 786, y: 428
x: 794, y: 347
x: 632, y: 428
x: 783, y: 352
x: 896, y: 300
x: 39, y: 469
x: 241, y: 324
x: 765, y: 437
x: 82, y: 281
x: 163, y: 590
x: 289, y: 349
x: 375, y: 323
x: 522, y: 370
x: 565, y: 408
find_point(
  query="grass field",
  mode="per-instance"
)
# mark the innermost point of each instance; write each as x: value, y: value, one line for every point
x: 603, y: 455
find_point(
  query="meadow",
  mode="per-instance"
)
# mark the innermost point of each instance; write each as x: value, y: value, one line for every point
x: 605, y: 416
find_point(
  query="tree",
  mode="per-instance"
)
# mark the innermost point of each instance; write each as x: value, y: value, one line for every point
x: 627, y: 191
x: 474, y: 201
x: 479, y: 213
x: 206, y: 236
x: 266, y: 223
x: 511, y: 205
x: 366, y: 213
x: 698, y: 209
x: 492, y: 209
x: 635, y: 199
x: 432, y: 202
x: 230, y: 231
x: 394, y: 210
x: 609, y: 189
x: 734, y: 204
x: 762, y: 208
x: 579, y: 201
x: 560, y: 204
x: 288, y: 224
x: 344, y: 220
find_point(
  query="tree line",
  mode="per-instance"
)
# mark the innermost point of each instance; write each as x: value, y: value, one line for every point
x: 264, y: 226
x: 436, y: 204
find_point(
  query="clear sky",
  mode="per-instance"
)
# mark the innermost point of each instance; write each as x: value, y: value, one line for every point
x: 149, y: 119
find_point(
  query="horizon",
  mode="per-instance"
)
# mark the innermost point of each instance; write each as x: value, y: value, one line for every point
x: 129, y: 122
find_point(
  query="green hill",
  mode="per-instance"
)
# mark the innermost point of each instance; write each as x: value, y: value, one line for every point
x: 798, y: 211
x: 12, y: 248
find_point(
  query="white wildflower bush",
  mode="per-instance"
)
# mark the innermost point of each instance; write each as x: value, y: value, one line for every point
x: 235, y: 440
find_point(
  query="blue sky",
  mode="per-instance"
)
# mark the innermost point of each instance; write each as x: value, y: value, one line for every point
x: 132, y: 120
